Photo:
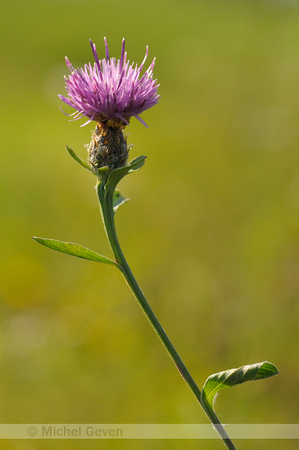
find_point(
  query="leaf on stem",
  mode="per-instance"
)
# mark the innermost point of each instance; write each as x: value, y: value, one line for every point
x: 117, y: 174
x: 118, y: 200
x: 137, y: 163
x: 75, y: 250
x: 77, y: 158
x: 232, y: 377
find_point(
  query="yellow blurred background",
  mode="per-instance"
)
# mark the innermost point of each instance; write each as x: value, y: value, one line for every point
x: 211, y: 231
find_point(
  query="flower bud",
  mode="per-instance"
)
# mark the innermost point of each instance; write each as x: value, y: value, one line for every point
x: 108, y: 146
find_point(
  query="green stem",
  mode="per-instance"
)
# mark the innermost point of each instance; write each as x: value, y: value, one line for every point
x: 105, y: 197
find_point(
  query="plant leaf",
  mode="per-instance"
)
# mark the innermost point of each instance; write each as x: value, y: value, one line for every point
x: 117, y: 174
x: 232, y: 377
x: 77, y: 158
x: 74, y: 250
x: 118, y: 200
x: 137, y: 163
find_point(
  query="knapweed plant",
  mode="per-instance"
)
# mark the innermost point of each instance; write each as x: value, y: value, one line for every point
x: 111, y: 91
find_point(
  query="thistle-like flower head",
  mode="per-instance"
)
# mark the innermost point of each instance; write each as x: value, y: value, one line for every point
x: 110, y: 91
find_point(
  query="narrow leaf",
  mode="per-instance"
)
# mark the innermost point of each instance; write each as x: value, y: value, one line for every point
x: 117, y: 174
x: 137, y: 163
x: 118, y: 200
x: 75, y: 250
x: 77, y: 158
x: 232, y: 377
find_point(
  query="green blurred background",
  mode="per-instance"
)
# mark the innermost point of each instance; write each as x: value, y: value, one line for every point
x: 211, y: 231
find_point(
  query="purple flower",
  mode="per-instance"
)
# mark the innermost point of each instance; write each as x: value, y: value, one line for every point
x: 110, y: 89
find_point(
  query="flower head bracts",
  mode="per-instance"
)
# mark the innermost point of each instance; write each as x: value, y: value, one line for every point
x: 110, y: 90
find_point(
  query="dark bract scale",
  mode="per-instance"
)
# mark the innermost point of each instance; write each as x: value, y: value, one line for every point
x: 111, y: 89
x: 108, y: 148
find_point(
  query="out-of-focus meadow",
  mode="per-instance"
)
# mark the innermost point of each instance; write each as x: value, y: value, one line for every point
x: 211, y: 230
